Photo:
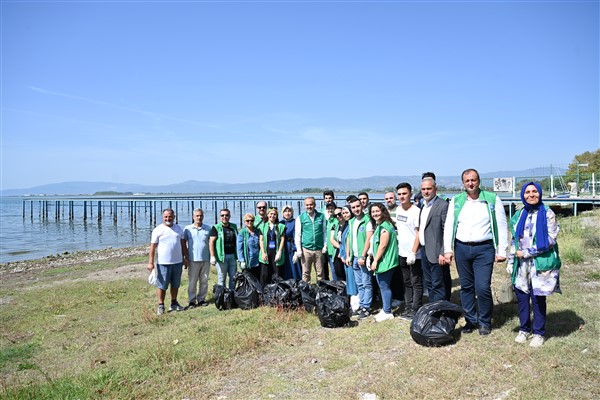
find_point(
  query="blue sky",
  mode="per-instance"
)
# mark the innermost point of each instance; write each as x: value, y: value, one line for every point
x: 164, y: 92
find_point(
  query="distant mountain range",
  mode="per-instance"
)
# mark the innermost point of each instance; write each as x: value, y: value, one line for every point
x: 373, y: 183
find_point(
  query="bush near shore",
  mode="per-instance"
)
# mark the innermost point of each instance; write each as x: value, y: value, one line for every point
x: 87, y: 329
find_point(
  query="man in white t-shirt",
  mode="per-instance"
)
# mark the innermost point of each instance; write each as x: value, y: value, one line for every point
x: 407, y: 225
x: 169, y: 243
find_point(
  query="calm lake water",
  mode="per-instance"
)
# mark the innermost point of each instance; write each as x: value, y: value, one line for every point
x: 31, y: 237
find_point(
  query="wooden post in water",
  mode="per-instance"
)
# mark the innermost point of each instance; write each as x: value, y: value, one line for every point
x: 115, y: 213
x: 84, y: 210
x: 99, y: 210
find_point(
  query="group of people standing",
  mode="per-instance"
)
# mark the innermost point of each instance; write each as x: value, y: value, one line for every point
x: 399, y: 250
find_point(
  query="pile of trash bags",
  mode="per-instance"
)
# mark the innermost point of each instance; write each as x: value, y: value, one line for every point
x: 327, y: 299
x: 434, y: 324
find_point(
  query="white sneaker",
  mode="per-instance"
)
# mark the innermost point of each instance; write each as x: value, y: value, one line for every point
x: 396, y: 303
x: 383, y: 316
x: 537, y: 341
x: 522, y: 337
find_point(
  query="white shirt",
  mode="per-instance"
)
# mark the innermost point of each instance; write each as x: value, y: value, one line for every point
x: 425, y: 210
x: 407, y: 224
x: 169, y: 243
x: 474, y: 224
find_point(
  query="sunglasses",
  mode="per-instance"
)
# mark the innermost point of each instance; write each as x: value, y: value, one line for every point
x: 225, y: 215
x: 261, y: 207
x: 249, y: 220
x: 338, y: 215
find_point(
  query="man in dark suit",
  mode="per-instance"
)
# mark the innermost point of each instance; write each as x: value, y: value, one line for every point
x: 431, y: 237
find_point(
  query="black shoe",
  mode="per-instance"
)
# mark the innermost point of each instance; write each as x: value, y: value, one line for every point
x: 468, y: 328
x: 356, y: 312
x: 407, y: 315
x: 191, y: 305
x: 364, y: 313
x: 485, y: 330
x: 203, y: 304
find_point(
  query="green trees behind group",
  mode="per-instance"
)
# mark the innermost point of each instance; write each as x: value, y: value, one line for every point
x: 592, y: 158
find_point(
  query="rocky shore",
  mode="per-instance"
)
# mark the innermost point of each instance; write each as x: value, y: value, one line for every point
x: 66, y: 259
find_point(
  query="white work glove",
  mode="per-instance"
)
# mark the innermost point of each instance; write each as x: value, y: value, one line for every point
x: 411, y: 258
x: 243, y: 264
x: 278, y: 256
x: 368, y: 262
x: 213, y: 261
x: 324, y: 249
x: 297, y: 257
x: 509, y: 268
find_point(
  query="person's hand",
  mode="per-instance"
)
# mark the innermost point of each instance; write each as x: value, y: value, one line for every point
x: 243, y: 265
x: 373, y: 266
x: 411, y: 258
x: 442, y: 260
x: 324, y: 249
x: 213, y: 261
x: 297, y: 257
x: 150, y: 266
x: 362, y: 261
x: 348, y: 261
x: 448, y: 257
x: 500, y: 259
x: 265, y: 258
x: 509, y: 269
x: 186, y: 263
x: 519, y: 254
x: 278, y: 256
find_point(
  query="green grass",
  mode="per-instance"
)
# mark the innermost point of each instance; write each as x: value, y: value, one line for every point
x: 98, y: 340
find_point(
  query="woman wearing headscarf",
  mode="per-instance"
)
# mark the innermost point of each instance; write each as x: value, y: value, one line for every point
x: 343, y: 230
x: 291, y: 269
x: 385, y: 256
x: 248, y: 248
x: 533, y: 262
x: 272, y: 242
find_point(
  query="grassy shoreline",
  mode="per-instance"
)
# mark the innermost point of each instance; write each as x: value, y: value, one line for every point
x: 86, y: 329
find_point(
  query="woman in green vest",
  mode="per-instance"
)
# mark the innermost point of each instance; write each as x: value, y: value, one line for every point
x: 385, y: 256
x: 272, y: 242
x: 533, y: 262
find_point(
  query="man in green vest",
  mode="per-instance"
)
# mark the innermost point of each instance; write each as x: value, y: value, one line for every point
x: 476, y: 236
x: 222, y: 247
x: 310, y: 234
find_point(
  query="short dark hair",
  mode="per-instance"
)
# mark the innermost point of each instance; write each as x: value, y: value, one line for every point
x: 466, y: 171
x: 403, y: 185
x: 428, y: 175
x: 330, y: 205
x: 351, y: 199
x: 364, y: 194
x: 328, y: 193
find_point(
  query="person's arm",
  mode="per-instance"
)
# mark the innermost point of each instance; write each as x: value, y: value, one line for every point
x: 265, y: 257
x: 324, y: 236
x: 298, y: 235
x: 448, y: 231
x: 212, y: 249
x: 184, y: 253
x: 153, y: 247
x: 384, y: 238
x: 502, y: 231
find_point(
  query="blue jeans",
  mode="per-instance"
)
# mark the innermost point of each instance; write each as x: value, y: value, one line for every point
x: 385, y: 287
x: 439, y: 276
x: 538, y: 303
x: 362, y: 276
x: 475, y: 264
x: 227, y: 267
x: 331, y: 268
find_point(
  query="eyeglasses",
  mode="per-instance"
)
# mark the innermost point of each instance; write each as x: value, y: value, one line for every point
x: 225, y: 215
x: 261, y: 207
x: 338, y: 215
x: 249, y: 220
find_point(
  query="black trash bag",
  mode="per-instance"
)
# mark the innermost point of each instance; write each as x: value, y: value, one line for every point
x: 223, y: 298
x: 333, y: 306
x: 308, y: 294
x: 248, y: 290
x: 433, y: 325
x: 285, y: 294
